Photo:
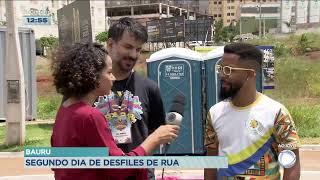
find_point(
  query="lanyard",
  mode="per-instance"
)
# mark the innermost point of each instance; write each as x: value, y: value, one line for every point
x: 124, y: 90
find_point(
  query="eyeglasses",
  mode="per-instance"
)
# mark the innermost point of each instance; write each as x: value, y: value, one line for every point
x: 227, y: 70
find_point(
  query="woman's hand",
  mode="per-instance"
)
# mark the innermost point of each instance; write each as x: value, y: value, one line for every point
x: 164, y: 134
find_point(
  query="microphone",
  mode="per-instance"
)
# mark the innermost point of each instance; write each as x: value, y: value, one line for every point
x: 175, y: 114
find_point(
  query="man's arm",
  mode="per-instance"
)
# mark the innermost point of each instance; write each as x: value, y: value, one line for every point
x: 293, y: 173
x: 287, y: 137
x: 211, y: 174
x: 211, y: 144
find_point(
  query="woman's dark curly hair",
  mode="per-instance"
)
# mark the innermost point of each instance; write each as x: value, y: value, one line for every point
x: 76, y: 70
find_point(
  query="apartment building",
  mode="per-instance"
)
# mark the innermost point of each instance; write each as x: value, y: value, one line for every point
x: 225, y: 10
x: 229, y: 10
x: 258, y: 1
x: 286, y: 15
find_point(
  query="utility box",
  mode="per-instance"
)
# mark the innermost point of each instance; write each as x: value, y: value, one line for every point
x: 28, y: 53
x: 212, y: 82
x: 178, y: 71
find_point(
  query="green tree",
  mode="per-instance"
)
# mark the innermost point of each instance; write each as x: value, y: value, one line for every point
x: 3, y: 23
x: 218, y: 33
x: 225, y: 34
x: 228, y: 33
x: 102, y: 37
x: 49, y: 44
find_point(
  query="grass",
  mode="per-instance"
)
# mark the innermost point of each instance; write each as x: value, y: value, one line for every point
x: 296, y: 78
x: 305, y: 140
x: 297, y: 86
x: 297, y: 83
x: 37, y: 135
x: 307, y: 120
x: 47, y: 106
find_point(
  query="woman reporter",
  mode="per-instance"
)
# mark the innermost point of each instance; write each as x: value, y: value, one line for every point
x: 83, y: 73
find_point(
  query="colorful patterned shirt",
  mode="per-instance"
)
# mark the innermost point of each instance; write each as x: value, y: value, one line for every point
x: 251, y: 137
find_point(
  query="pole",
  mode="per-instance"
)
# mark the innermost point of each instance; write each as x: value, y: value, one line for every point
x: 168, y: 9
x: 264, y: 26
x: 240, y: 25
x: 260, y: 19
x: 15, y: 84
x: 188, y: 12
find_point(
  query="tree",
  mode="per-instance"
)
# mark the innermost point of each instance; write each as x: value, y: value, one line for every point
x: 228, y: 33
x: 3, y: 23
x: 48, y: 44
x: 218, y: 37
x: 102, y: 37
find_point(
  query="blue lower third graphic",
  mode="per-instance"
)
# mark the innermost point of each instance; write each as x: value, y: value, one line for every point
x: 174, y: 162
x: 98, y: 158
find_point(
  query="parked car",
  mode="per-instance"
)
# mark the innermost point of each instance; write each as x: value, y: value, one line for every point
x: 195, y: 43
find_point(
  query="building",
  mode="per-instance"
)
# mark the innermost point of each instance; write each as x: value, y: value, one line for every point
x: 281, y: 16
x: 229, y: 10
x: 147, y: 10
x: 225, y: 10
x: 284, y: 15
x: 307, y: 13
x: 41, y: 16
x: 244, y: 2
x: 265, y: 16
x: 192, y: 5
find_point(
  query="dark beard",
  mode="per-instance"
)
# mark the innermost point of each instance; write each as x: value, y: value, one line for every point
x: 123, y: 67
x: 225, y: 94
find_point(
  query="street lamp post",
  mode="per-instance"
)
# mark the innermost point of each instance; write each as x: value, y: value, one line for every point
x: 260, y: 19
x: 240, y: 25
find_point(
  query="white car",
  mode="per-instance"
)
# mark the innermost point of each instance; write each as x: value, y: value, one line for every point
x: 195, y: 43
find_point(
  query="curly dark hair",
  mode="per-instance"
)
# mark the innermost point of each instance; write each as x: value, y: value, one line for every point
x: 76, y: 70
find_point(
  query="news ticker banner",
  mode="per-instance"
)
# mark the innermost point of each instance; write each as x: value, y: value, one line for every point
x: 98, y: 158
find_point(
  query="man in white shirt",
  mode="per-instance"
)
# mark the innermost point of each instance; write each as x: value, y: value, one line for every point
x: 248, y: 127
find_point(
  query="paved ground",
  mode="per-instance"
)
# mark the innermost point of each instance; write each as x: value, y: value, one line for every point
x: 11, y: 168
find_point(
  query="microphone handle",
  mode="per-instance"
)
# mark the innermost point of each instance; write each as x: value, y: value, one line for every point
x: 172, y: 118
x: 165, y: 148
